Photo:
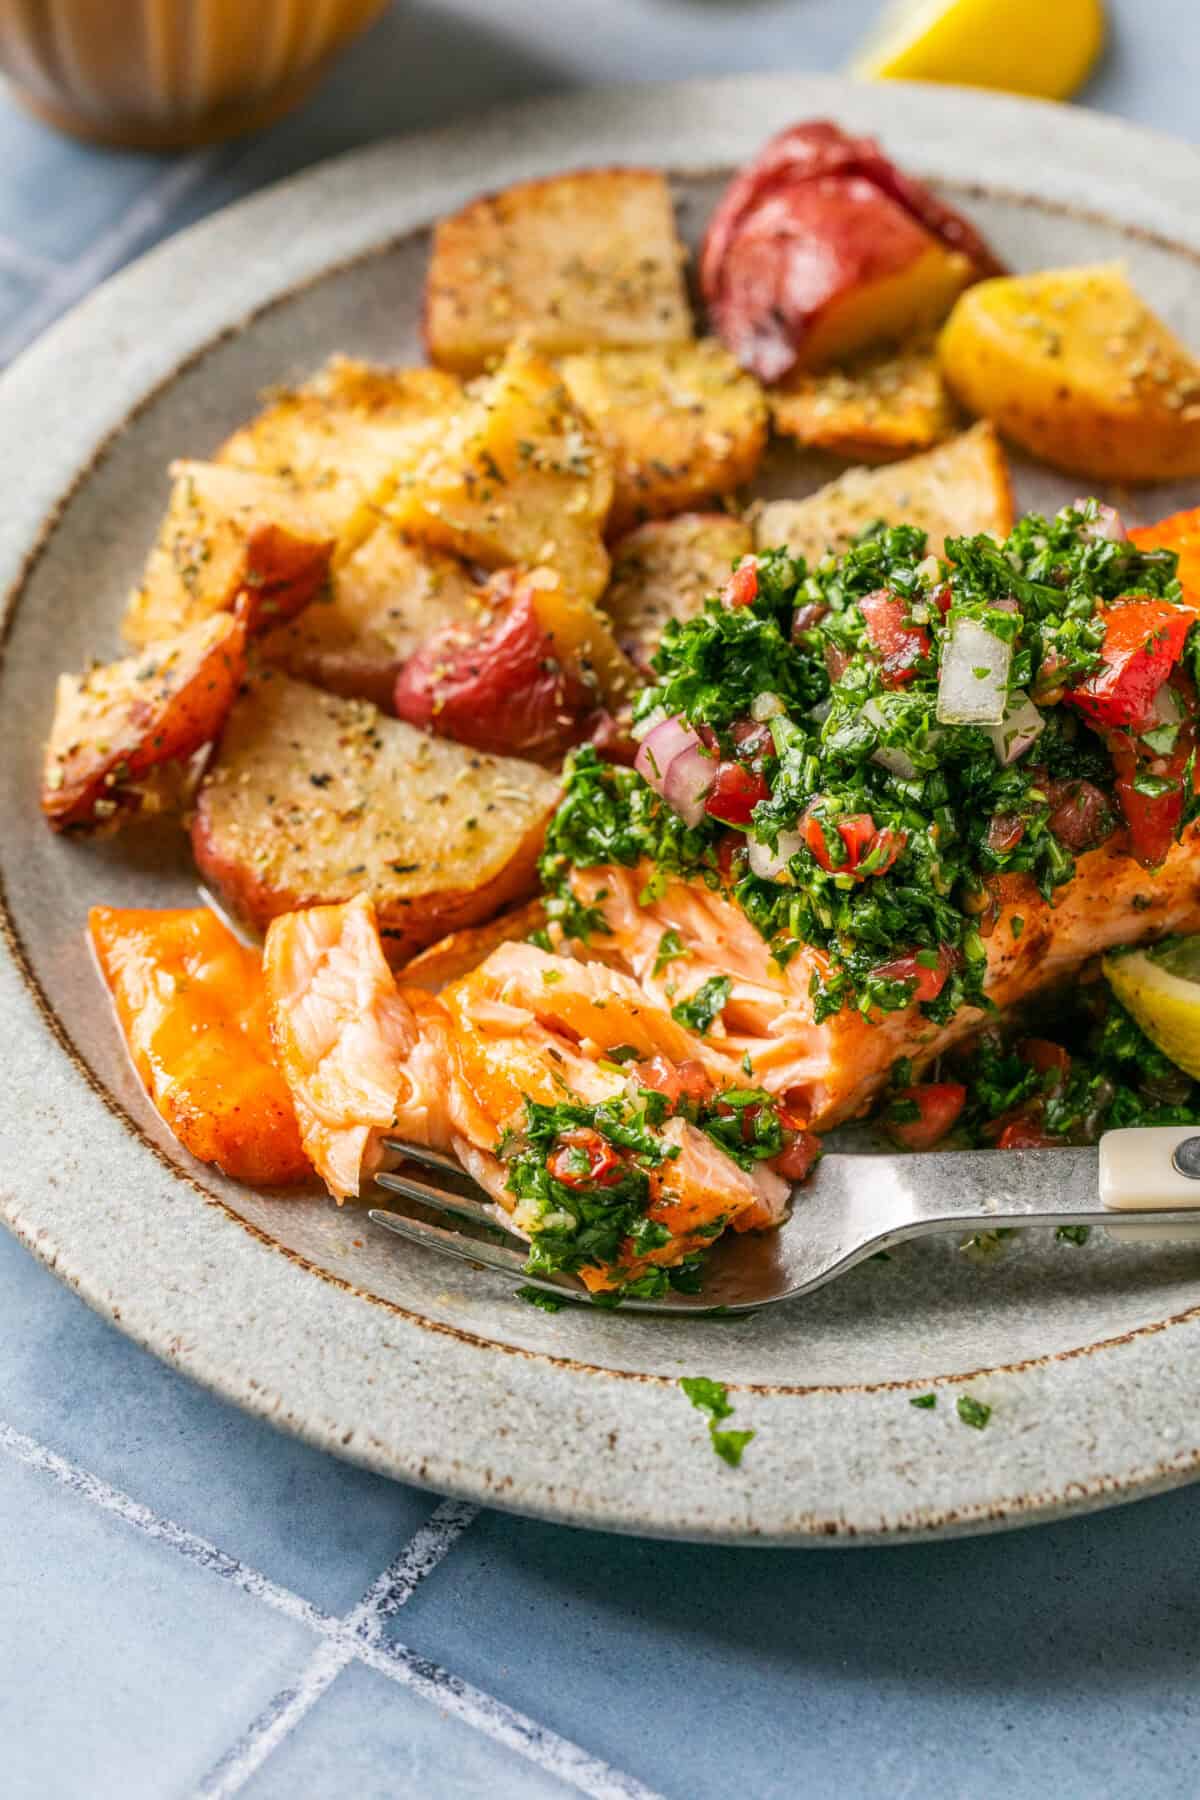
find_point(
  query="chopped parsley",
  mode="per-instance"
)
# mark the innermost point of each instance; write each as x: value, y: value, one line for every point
x: 972, y: 1412
x: 700, y: 1013
x: 1073, y: 1234
x: 550, y: 1303
x: 712, y: 1397
x: 883, y: 824
x: 671, y: 948
x: 926, y: 1402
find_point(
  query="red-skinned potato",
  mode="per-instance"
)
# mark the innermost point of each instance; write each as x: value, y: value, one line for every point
x: 529, y: 681
x: 119, y: 724
x: 821, y: 246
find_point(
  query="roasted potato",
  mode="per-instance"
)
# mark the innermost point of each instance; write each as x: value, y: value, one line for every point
x: 959, y: 488
x: 683, y: 424
x: 463, y: 951
x: 886, y: 404
x: 530, y: 679
x: 666, y: 570
x: 519, y: 478
x: 313, y: 799
x: 385, y: 601
x: 228, y: 534
x: 1074, y: 367
x: 341, y: 439
x: 571, y: 262
x: 119, y: 724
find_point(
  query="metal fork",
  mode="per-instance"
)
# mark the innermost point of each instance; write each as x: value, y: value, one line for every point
x: 852, y: 1207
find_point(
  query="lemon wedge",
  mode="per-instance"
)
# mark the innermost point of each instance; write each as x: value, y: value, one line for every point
x: 1042, y: 47
x: 1161, y: 988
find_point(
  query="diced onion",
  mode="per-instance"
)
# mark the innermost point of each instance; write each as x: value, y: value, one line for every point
x: 766, y: 706
x: 645, y: 726
x: 770, y: 864
x: 888, y: 756
x: 973, y: 685
x: 1020, y: 727
x: 672, y: 759
x: 1107, y: 527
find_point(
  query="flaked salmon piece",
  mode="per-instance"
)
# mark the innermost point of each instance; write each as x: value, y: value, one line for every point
x: 192, y: 1006
x: 342, y: 1032
x: 833, y: 1071
x: 601, y: 1009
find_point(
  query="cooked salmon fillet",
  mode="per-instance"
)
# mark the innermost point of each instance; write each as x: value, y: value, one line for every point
x: 833, y: 1071
x: 191, y: 1004
x: 363, y: 1057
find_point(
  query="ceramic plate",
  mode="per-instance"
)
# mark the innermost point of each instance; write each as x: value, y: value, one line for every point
x: 312, y: 1317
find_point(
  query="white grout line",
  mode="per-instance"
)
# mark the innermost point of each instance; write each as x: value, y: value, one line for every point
x: 355, y: 1637
x: 362, y: 1625
x: 140, y: 219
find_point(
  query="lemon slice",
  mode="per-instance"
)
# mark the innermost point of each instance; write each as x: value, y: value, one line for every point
x: 1042, y: 47
x: 1161, y: 988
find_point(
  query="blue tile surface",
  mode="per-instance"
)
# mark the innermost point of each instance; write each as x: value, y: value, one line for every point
x: 124, y: 1669
x: 990, y: 1667
x: 1053, y: 1662
x: 374, y: 1740
x: 75, y: 1384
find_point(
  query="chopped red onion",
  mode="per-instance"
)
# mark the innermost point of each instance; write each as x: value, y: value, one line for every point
x: 672, y: 759
x: 1107, y: 527
x: 1020, y: 727
x: 770, y: 865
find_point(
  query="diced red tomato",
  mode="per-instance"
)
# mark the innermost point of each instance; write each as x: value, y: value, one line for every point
x: 939, y: 1104
x: 735, y: 793
x: 943, y: 598
x: 741, y: 589
x: 885, y: 850
x: 1046, y: 1057
x: 1143, y: 640
x: 685, y: 1081
x: 862, y: 841
x: 929, y: 980
x: 1025, y: 1133
x: 603, y: 1164
x: 753, y: 741
x: 1152, y: 819
x: 900, y: 643
x: 796, y: 1162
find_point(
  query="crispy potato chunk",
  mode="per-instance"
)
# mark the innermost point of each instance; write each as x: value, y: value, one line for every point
x: 384, y: 602
x: 1073, y: 366
x: 683, y: 424
x: 313, y: 799
x: 571, y: 262
x: 518, y: 478
x: 959, y: 488
x: 462, y: 951
x: 119, y: 724
x: 666, y: 570
x: 192, y: 1006
x: 228, y: 533
x: 889, y: 403
x: 341, y: 438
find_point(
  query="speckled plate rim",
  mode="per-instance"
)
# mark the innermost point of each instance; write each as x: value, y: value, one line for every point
x: 351, y: 1374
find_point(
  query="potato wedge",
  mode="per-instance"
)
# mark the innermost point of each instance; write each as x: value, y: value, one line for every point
x: 312, y: 799
x: 340, y: 439
x: 571, y: 262
x: 1073, y: 366
x: 666, y: 570
x: 228, y: 532
x: 958, y: 488
x: 382, y: 604
x: 462, y: 951
x: 518, y: 478
x: 683, y: 424
x: 887, y: 404
x: 119, y: 724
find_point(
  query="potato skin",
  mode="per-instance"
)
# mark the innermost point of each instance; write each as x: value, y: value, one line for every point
x: 569, y: 262
x: 1074, y: 367
x: 118, y: 724
x: 313, y: 799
